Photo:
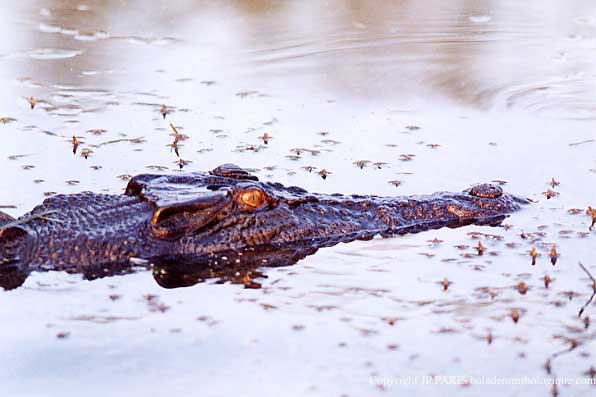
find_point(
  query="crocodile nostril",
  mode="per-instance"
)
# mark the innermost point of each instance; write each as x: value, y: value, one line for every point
x: 486, y: 190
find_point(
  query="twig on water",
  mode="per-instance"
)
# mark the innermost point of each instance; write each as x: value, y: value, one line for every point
x: 28, y: 218
x: 581, y: 311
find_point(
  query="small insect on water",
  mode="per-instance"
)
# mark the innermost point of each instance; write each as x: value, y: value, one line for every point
x: 75, y: 144
x: 550, y: 194
x: 553, y: 255
x: 480, y: 248
x: 361, y: 163
x: 547, y: 280
x: 86, y: 153
x: 522, y: 288
x: 592, y: 212
x: 265, y: 138
x: 323, y: 173
x: 553, y: 182
x: 515, y: 315
x: 446, y: 283
x: 533, y: 254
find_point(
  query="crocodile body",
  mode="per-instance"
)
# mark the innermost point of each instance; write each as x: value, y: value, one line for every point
x: 185, y: 218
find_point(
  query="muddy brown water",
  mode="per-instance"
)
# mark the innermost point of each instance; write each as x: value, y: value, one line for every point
x: 441, y: 94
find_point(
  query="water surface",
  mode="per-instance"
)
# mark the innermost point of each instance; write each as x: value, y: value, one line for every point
x: 436, y: 95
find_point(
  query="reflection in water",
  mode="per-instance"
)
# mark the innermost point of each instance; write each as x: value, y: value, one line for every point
x: 468, y: 52
x: 225, y: 267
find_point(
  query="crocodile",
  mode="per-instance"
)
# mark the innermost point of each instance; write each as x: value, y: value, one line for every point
x: 218, y: 220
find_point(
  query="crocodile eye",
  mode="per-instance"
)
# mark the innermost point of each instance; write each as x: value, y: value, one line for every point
x: 253, y: 198
x: 486, y: 190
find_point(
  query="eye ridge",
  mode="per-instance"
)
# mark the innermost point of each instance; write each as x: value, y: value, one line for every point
x: 253, y: 198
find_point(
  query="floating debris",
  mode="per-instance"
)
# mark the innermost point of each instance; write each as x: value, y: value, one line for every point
x: 32, y: 102
x: 174, y: 144
x: 157, y: 167
x: 155, y: 304
x: 406, y: 157
x: 248, y: 93
x: 309, y: 168
x: 131, y: 140
x: 396, y: 182
x: 582, y: 142
x: 164, y: 111
x: 250, y: 148
x: 97, y: 131
x: 476, y: 235
x: 581, y: 311
x: 589, y: 275
x: 298, y: 151
x: 412, y: 127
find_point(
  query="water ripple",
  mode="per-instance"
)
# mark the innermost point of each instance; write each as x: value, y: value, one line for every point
x: 53, y: 53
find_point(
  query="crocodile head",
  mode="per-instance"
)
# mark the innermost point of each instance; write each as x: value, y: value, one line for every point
x: 190, y: 204
x: 229, y: 208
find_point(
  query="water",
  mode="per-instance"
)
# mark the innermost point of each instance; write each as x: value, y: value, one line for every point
x: 475, y: 91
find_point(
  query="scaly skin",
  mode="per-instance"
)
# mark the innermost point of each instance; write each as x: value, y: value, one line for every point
x: 186, y: 218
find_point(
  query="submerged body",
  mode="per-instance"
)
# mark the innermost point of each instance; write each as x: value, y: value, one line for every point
x: 186, y: 217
